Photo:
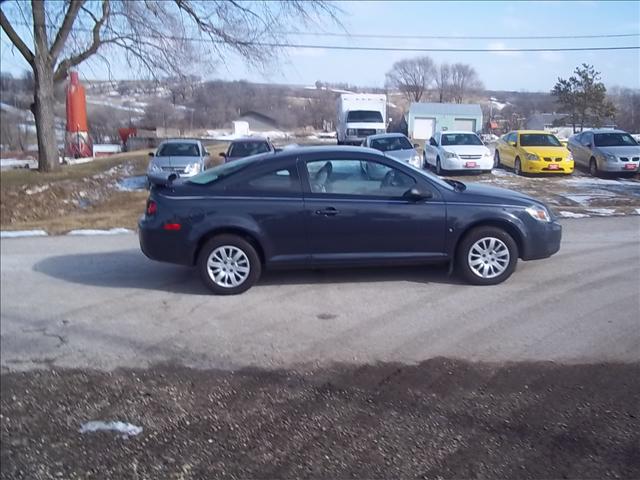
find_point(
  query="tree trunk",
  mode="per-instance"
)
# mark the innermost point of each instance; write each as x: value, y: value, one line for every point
x: 44, y: 99
x: 43, y: 112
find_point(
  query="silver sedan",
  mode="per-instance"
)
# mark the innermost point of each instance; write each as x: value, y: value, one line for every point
x: 605, y: 150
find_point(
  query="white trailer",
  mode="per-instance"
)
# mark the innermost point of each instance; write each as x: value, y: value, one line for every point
x: 360, y: 115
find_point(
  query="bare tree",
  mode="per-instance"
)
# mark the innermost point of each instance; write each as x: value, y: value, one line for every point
x: 412, y: 77
x: 464, y: 80
x: 155, y: 36
x: 443, y: 82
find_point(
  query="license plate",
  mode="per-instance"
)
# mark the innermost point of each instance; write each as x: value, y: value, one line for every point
x: 630, y: 166
x: 470, y: 164
x: 553, y: 166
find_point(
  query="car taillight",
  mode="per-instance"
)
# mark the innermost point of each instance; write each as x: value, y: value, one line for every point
x: 152, y: 207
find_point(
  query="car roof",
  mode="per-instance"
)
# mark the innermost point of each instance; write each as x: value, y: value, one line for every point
x: 181, y: 140
x: 535, y: 131
x: 603, y: 130
x: 250, y: 139
x: 456, y: 131
x: 386, y: 135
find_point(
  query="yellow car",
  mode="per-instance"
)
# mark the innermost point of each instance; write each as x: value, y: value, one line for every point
x: 533, y: 151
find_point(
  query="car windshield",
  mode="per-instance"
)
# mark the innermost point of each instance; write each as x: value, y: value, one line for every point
x: 175, y: 149
x: 366, y: 116
x: 244, y: 149
x: 614, y: 139
x: 460, y: 139
x: 224, y: 170
x: 388, y: 144
x: 539, y: 140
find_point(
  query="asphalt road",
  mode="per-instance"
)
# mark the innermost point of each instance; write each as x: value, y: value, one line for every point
x: 97, y: 302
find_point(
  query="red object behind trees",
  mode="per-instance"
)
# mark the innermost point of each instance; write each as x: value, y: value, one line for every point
x: 76, y: 106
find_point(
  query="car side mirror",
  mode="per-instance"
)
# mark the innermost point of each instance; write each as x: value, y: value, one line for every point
x: 416, y: 145
x: 415, y: 194
x: 589, y: 146
x: 222, y: 154
x: 513, y: 144
x: 151, y: 154
x: 206, y: 153
x: 432, y: 142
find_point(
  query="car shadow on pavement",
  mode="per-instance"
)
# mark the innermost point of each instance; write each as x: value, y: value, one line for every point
x: 131, y: 269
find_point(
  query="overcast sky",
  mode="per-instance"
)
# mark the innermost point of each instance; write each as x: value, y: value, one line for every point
x: 531, y: 71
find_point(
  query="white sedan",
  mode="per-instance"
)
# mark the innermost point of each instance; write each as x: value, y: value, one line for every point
x: 457, y: 151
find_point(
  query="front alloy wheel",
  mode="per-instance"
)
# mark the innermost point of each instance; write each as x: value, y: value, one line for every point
x: 517, y: 169
x: 229, y: 265
x: 439, y: 170
x: 487, y: 256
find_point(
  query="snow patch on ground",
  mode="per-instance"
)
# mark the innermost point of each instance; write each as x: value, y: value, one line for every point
x: 566, y: 214
x: 126, y: 429
x: 8, y: 163
x: 112, y: 231
x: 501, y: 173
x: 602, y: 211
x: 585, y: 181
x: 587, y: 198
x: 22, y: 233
x: 132, y: 184
x: 38, y: 189
x: 638, y: 211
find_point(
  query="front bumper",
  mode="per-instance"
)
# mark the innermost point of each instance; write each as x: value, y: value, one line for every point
x: 543, y: 240
x: 456, y: 163
x: 538, y: 166
x: 163, y: 245
x: 618, y: 166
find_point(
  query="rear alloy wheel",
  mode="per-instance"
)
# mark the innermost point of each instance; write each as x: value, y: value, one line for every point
x: 229, y: 265
x: 487, y: 256
x: 593, y: 168
x: 517, y: 168
x: 496, y: 159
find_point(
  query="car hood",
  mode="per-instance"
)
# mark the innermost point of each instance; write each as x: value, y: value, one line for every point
x: 175, y: 161
x: 547, y: 151
x: 466, y: 149
x: 483, y: 194
x: 620, y: 151
x: 401, y: 155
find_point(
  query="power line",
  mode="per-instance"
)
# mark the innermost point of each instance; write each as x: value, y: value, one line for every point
x: 454, y: 37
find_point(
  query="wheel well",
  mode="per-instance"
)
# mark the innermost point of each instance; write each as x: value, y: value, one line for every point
x: 229, y: 231
x: 506, y: 226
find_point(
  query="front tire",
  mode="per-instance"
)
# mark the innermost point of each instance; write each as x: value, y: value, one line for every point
x: 517, y: 168
x: 439, y: 170
x: 593, y: 168
x: 487, y: 256
x: 496, y: 159
x: 229, y: 265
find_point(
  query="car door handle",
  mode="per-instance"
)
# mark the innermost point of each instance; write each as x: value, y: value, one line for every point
x: 327, y: 212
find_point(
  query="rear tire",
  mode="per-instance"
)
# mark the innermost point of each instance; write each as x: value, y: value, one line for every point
x: 498, y: 262
x: 229, y: 265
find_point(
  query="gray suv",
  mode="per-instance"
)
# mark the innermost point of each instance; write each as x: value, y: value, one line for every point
x: 605, y: 151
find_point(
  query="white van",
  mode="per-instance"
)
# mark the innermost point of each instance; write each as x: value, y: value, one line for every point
x: 360, y: 115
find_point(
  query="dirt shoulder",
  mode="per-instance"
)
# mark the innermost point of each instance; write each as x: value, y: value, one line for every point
x: 440, y: 419
x: 89, y: 195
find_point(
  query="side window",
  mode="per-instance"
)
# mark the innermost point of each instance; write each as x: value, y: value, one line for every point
x: 586, y: 139
x: 275, y: 182
x: 357, y: 178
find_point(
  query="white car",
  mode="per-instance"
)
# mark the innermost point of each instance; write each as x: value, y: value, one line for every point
x: 457, y: 150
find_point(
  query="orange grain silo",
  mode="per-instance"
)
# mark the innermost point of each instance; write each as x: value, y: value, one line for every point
x: 77, y: 138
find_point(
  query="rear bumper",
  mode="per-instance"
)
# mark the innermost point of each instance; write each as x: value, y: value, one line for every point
x: 542, y: 241
x: 163, y: 245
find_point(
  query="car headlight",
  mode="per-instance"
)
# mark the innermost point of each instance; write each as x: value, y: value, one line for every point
x: 192, y: 169
x: 532, y: 156
x: 153, y: 167
x: 487, y: 154
x: 449, y: 154
x: 351, y: 132
x: 610, y: 158
x: 569, y: 157
x: 416, y: 161
x: 539, y: 213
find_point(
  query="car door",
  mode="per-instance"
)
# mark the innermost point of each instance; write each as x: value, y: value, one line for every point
x: 508, y: 151
x: 431, y: 149
x: 357, y: 211
x: 586, y: 145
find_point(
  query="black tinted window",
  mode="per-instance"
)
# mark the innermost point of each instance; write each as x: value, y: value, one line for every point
x: 460, y: 139
x: 274, y: 182
x: 246, y: 149
x: 539, y: 140
x: 364, y: 116
x: 179, y: 150
x: 614, y: 139
x: 389, y: 144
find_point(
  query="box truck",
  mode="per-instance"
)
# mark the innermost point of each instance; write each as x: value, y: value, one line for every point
x: 360, y: 115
